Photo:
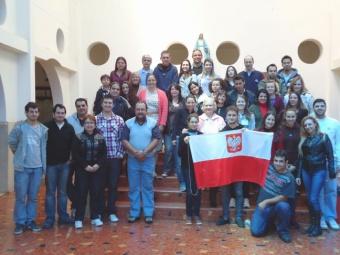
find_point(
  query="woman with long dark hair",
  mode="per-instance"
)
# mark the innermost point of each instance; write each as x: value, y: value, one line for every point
x: 171, y: 158
x: 120, y: 73
x: 261, y: 107
x: 185, y: 77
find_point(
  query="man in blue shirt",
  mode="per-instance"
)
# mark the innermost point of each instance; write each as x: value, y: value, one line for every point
x: 250, y: 75
x: 140, y: 138
x: 165, y: 73
x: 272, y: 205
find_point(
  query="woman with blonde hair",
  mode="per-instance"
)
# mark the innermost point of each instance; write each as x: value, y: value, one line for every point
x: 297, y: 85
x: 316, y: 160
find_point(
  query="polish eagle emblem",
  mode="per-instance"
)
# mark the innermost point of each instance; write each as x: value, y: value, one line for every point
x: 234, y: 142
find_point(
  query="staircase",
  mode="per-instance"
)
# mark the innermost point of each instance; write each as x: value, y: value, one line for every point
x: 170, y: 202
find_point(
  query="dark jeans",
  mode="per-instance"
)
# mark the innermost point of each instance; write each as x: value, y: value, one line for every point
x: 112, y: 172
x: 71, y: 188
x: 92, y: 183
x: 226, y: 195
x: 193, y: 195
x: 279, y: 214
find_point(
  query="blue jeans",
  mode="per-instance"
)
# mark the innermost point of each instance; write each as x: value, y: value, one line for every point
x: 314, y: 182
x: 26, y: 186
x: 171, y: 158
x: 140, y: 175
x: 226, y: 195
x: 56, y: 180
x: 279, y: 214
x: 328, y: 196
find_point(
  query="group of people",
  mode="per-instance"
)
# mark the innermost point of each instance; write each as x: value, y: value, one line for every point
x: 138, y: 113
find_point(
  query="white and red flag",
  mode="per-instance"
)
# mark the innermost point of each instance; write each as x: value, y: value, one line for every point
x: 231, y: 156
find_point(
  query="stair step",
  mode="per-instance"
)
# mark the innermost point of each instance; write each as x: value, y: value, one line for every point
x: 173, y: 195
x: 176, y: 211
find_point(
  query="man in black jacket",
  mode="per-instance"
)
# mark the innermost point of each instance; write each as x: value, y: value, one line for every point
x: 61, y: 135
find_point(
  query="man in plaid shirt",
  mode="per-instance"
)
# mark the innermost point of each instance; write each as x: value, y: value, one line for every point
x: 111, y: 127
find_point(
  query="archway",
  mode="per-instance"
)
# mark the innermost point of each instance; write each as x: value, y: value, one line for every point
x: 43, y: 93
x: 47, y: 88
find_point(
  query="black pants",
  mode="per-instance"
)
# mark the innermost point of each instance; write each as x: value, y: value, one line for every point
x: 92, y: 183
x: 112, y: 173
x: 193, y: 195
x: 71, y: 189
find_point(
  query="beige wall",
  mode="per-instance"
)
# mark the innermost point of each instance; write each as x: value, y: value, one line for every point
x: 266, y: 30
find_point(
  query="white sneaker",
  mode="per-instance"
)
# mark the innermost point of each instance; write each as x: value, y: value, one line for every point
x: 323, y: 224
x: 246, y: 203
x: 113, y: 218
x: 78, y: 224
x: 97, y: 222
x: 232, y: 203
x: 333, y: 224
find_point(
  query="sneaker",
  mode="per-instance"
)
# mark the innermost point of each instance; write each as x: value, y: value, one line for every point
x: 132, y: 219
x: 78, y: 224
x: 239, y: 222
x: 113, y: 218
x: 221, y: 221
x: 232, y: 203
x: 323, y: 224
x: 285, y: 237
x: 246, y: 203
x: 97, y: 222
x: 19, y: 229
x: 33, y: 227
x: 47, y: 225
x: 198, y: 220
x: 332, y: 224
x: 188, y: 220
x: 182, y: 187
x: 148, y: 220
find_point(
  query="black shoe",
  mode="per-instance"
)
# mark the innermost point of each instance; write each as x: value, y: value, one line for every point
x: 221, y: 221
x: 317, y: 231
x: 132, y: 219
x: 285, y: 237
x: 47, y: 225
x: 33, y: 227
x: 311, y: 227
x: 66, y: 221
x: 19, y: 229
x: 148, y: 220
x: 239, y: 222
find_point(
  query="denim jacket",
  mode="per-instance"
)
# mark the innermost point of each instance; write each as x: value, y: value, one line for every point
x: 17, y: 142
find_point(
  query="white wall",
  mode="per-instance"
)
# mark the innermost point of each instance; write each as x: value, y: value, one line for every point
x: 266, y: 30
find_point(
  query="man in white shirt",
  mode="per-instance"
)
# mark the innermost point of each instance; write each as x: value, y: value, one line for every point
x: 328, y: 195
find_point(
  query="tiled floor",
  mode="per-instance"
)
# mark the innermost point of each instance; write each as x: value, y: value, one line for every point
x: 163, y: 237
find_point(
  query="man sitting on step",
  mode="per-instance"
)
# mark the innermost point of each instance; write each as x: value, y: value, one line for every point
x: 272, y: 205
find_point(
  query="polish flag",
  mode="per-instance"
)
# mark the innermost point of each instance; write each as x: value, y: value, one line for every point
x: 231, y: 156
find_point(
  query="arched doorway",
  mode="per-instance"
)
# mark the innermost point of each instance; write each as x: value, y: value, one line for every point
x: 43, y: 93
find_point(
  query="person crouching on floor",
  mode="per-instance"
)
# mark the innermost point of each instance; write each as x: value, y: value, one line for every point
x: 272, y: 203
